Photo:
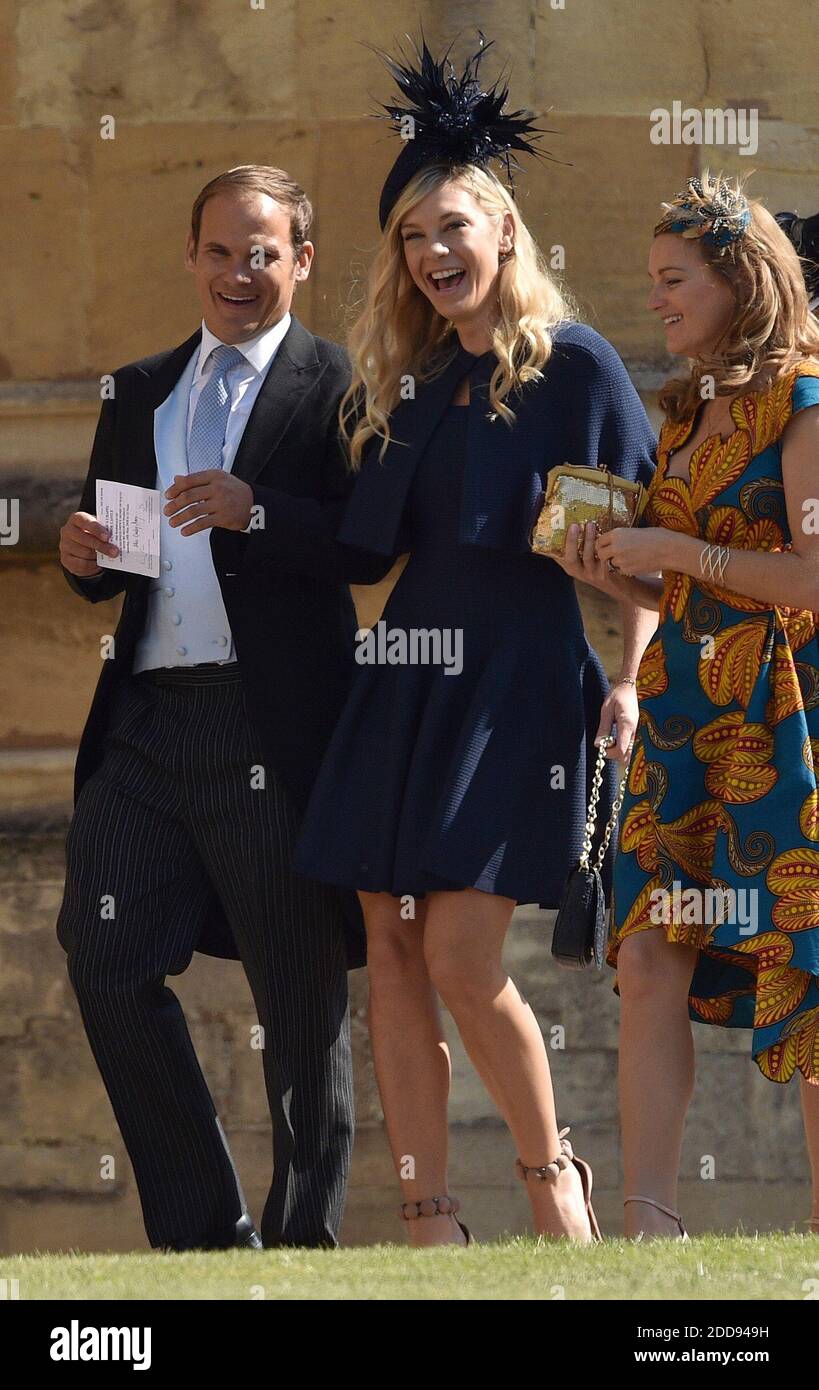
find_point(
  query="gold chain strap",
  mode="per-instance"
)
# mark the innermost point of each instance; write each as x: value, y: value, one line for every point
x: 591, y: 818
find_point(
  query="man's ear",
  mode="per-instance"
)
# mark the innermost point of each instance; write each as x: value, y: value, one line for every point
x: 190, y: 252
x: 304, y: 261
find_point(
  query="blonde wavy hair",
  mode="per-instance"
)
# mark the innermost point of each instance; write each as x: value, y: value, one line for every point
x: 398, y: 333
x: 772, y: 325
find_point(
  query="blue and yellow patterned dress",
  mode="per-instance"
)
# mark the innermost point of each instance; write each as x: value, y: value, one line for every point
x: 722, y: 786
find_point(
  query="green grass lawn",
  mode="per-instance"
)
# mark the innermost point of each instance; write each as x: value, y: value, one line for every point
x: 781, y: 1267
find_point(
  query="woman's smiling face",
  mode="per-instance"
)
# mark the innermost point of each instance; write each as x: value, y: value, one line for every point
x: 452, y: 248
x: 694, y: 302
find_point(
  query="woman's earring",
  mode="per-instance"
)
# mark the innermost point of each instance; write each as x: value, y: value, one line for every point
x: 507, y: 256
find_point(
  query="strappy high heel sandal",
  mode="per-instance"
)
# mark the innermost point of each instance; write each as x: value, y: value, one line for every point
x: 435, y: 1206
x: 649, y: 1201
x: 550, y: 1172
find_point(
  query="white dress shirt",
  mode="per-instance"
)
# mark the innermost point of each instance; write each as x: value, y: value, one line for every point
x: 186, y: 622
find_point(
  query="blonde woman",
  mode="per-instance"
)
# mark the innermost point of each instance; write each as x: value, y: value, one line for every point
x: 715, y: 914
x: 456, y: 782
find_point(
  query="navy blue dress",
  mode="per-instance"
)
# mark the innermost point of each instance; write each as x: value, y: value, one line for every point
x: 436, y: 780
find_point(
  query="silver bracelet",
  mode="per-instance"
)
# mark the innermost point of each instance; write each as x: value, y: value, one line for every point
x: 713, y: 559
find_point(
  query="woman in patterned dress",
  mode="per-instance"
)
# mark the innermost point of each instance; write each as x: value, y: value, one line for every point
x: 715, y: 906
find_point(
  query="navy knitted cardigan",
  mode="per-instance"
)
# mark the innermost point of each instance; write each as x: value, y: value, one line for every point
x: 585, y: 411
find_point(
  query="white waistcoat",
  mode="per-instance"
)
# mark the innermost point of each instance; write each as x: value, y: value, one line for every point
x: 186, y: 622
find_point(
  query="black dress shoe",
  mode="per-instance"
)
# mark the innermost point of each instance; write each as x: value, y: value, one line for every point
x: 246, y: 1233
x: 243, y: 1234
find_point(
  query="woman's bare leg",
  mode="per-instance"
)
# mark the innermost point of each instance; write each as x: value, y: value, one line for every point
x: 411, y: 1058
x: 656, y: 1072
x: 463, y: 940
x: 810, y: 1115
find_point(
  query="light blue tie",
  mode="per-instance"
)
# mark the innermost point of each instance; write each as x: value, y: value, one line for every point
x: 212, y: 410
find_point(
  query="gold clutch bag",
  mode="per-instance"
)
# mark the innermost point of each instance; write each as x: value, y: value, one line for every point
x: 581, y: 495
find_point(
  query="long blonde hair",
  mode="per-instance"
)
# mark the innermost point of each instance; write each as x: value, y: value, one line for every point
x: 772, y: 325
x: 399, y: 333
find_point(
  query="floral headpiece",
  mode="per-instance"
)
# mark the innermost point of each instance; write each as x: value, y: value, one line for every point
x: 708, y: 209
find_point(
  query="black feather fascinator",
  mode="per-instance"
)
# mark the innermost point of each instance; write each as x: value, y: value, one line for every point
x: 449, y: 117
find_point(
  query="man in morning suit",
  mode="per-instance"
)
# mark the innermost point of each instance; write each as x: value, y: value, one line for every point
x: 207, y: 728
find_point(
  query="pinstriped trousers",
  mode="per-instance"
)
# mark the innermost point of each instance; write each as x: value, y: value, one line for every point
x: 169, y: 818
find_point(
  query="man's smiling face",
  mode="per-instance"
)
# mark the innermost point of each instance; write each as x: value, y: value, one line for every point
x: 244, y: 264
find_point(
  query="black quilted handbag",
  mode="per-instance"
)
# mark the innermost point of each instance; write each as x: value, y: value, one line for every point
x: 579, y: 937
